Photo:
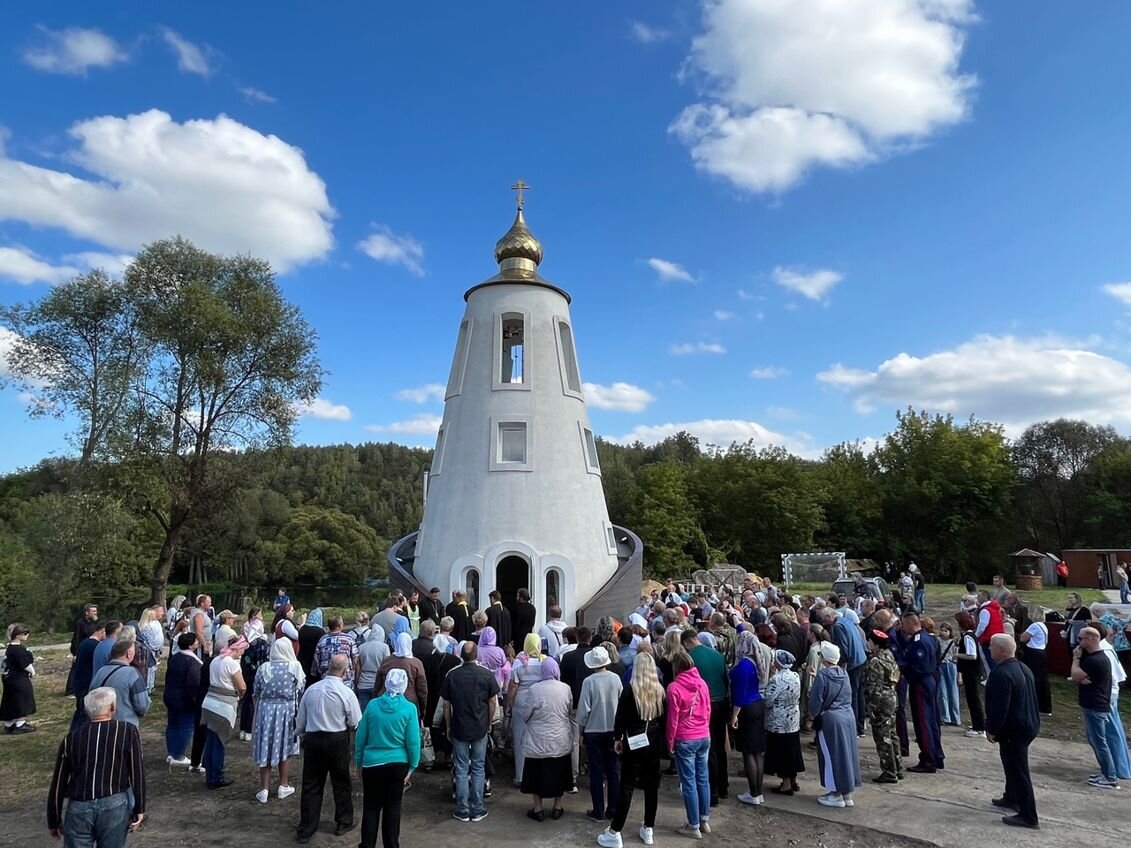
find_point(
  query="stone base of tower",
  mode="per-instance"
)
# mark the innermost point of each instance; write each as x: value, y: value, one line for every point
x: 618, y: 597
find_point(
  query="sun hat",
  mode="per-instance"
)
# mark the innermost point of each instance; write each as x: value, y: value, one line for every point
x: 597, y: 658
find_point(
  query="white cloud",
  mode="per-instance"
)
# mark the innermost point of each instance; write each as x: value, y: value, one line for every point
x: 1120, y: 291
x: 794, y: 84
x: 255, y: 95
x: 643, y: 33
x: 421, y: 425
x: 190, y: 58
x: 670, y: 272
x: 7, y: 342
x: 813, y: 286
x: 723, y: 315
x: 225, y: 186
x: 620, y: 397
x: 997, y: 378
x: 770, y: 372
x: 73, y: 50
x: 325, y: 409
x: 422, y: 394
x: 688, y: 348
x: 717, y: 431
x: 114, y: 264
x: 743, y: 294
x: 393, y: 249
x: 23, y: 266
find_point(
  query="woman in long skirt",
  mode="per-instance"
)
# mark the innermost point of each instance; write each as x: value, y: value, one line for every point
x: 278, y: 685
x: 748, y: 715
x: 18, y: 700
x: 547, y: 740
x: 1036, y: 640
x: 830, y: 704
x: 783, y: 724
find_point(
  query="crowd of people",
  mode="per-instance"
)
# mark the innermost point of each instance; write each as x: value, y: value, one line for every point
x: 670, y: 689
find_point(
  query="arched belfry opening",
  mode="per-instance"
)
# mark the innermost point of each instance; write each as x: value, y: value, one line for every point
x: 511, y: 574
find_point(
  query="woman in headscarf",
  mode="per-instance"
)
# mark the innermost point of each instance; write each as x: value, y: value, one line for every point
x: 278, y: 685
x: 526, y: 670
x: 638, y: 728
x: 782, y: 696
x: 400, y: 625
x: 830, y: 704
x: 370, y: 655
x: 218, y: 710
x: 308, y: 635
x: 492, y: 657
x: 547, y: 740
x: 748, y: 715
x: 387, y: 750
x: 402, y: 658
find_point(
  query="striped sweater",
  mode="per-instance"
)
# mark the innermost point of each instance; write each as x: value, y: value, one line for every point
x: 98, y: 760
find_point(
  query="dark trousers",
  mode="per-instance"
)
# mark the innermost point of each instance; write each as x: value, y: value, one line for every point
x: 859, y: 709
x: 717, y: 758
x: 1038, y: 664
x: 604, y: 767
x: 383, y: 788
x: 1014, y: 755
x: 925, y: 714
x: 901, y: 717
x: 971, y: 682
x: 178, y: 731
x: 638, y: 768
x: 199, y: 737
x: 325, y: 754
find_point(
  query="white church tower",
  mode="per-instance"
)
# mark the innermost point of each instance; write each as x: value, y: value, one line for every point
x: 514, y: 496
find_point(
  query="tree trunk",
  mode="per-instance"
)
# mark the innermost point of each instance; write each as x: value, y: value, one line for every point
x: 164, y: 564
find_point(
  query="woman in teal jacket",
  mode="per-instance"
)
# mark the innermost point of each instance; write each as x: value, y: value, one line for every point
x: 387, y: 752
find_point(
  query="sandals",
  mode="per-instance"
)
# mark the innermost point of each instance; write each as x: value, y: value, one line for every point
x: 537, y: 815
x: 780, y: 790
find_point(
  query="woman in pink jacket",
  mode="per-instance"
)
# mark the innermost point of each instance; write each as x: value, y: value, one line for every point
x: 689, y: 738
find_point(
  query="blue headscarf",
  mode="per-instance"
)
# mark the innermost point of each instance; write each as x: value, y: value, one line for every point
x: 314, y: 619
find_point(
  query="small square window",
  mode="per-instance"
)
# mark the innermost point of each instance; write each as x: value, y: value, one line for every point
x: 512, y: 442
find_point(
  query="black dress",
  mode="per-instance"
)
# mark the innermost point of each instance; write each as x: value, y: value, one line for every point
x: 18, y: 700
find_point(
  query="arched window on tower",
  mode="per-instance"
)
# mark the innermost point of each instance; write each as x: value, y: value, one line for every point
x: 553, y: 587
x: 512, y: 360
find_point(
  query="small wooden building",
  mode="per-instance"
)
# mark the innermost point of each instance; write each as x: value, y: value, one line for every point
x: 1086, y: 565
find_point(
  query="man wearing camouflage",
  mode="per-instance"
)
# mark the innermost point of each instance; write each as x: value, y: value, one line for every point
x: 881, y: 676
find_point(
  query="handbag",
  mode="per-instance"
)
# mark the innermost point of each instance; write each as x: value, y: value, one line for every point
x: 427, y: 752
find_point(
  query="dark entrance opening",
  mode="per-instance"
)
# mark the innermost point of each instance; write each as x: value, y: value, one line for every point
x: 511, y: 574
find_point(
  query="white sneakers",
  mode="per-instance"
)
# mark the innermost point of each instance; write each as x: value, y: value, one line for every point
x: 753, y: 800
x: 646, y: 835
x: 831, y: 799
x: 245, y: 737
x: 609, y: 838
x: 691, y: 831
x: 704, y: 826
x: 178, y: 762
x: 974, y: 734
x: 262, y: 795
x: 285, y: 791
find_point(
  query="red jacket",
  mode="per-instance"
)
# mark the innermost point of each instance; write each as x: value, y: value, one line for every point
x: 996, y: 623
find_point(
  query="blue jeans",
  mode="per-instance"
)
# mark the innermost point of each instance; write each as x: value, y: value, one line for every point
x: 949, y: 712
x: 604, y: 765
x: 364, y: 696
x: 178, y: 731
x: 691, y: 763
x: 213, y: 760
x: 1096, y: 727
x: 469, y: 756
x: 1117, y: 741
x: 1124, y: 593
x: 920, y: 599
x: 103, y: 822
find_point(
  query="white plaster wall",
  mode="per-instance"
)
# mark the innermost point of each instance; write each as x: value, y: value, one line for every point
x: 554, y: 514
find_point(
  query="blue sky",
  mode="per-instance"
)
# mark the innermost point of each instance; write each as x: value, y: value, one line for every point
x: 778, y: 220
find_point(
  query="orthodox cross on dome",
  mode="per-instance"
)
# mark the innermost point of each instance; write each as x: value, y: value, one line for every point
x: 520, y: 186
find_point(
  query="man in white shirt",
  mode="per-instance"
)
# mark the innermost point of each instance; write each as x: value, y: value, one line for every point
x: 329, y: 710
x: 551, y: 632
x: 1116, y: 738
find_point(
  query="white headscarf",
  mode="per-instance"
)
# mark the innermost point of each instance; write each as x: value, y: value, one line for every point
x: 403, y: 647
x: 396, y: 681
x: 283, y: 651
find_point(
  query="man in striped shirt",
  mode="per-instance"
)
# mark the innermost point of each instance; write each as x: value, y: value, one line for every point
x: 99, y: 771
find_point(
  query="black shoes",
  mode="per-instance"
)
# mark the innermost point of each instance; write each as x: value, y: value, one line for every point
x: 1017, y: 821
x: 1006, y: 805
x: 343, y: 828
x: 922, y: 769
x: 227, y: 781
x: 883, y: 778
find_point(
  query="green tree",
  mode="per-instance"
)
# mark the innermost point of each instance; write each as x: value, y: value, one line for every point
x: 667, y: 518
x: 229, y: 360
x: 76, y: 352
x: 947, y: 489
x: 851, y: 502
x: 318, y: 544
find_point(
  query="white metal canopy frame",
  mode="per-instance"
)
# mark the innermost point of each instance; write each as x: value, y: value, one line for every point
x: 804, y: 564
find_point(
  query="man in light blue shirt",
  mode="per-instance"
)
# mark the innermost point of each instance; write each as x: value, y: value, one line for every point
x: 123, y: 678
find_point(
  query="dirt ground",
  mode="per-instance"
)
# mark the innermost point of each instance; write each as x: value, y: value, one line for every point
x: 948, y: 809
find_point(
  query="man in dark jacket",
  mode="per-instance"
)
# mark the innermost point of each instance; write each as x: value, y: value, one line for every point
x: 84, y: 627
x: 82, y: 671
x: 431, y: 607
x: 572, y: 667
x: 499, y: 617
x: 524, y: 618
x: 459, y: 611
x: 1012, y: 724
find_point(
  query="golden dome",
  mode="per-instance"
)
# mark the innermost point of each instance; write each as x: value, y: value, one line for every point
x: 518, y: 243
